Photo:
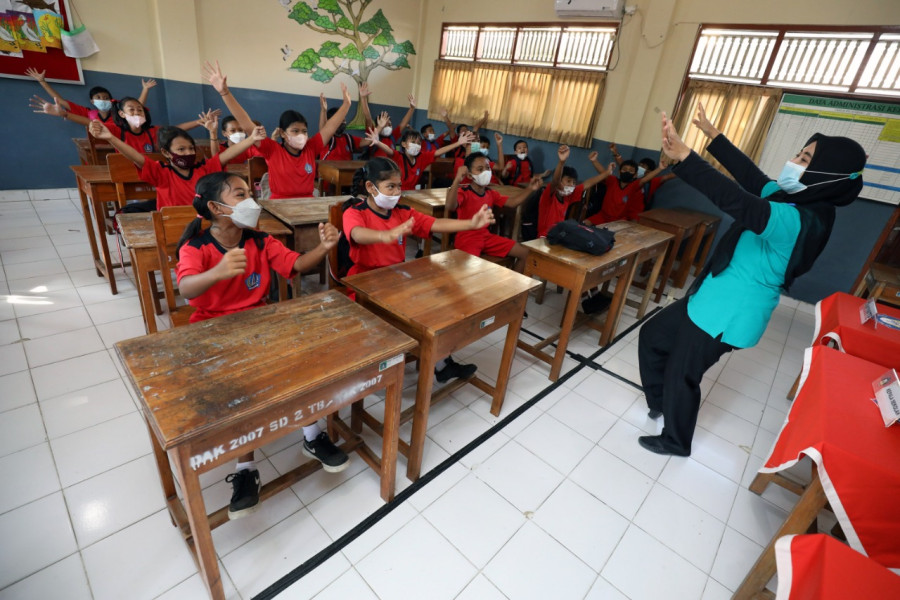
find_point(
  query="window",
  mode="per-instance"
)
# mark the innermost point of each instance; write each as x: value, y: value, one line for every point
x: 539, y: 81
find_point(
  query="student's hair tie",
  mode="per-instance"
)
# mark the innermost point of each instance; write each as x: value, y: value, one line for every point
x: 200, y: 217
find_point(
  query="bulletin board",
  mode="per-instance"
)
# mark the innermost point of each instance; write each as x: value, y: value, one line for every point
x: 42, y: 54
x: 875, y: 125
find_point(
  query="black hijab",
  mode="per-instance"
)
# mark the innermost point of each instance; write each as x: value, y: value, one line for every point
x: 834, y: 160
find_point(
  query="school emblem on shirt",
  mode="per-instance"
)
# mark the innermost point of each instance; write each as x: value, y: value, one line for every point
x: 624, y: 199
x: 308, y: 168
x: 148, y: 147
x: 252, y: 282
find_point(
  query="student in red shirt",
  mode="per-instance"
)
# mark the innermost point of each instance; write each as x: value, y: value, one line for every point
x: 413, y: 160
x: 377, y: 228
x: 388, y: 135
x: 468, y: 199
x: 483, y: 146
x: 292, y: 163
x: 234, y: 134
x: 175, y: 180
x: 226, y: 269
x: 562, y: 191
x: 644, y: 166
x: 624, y: 198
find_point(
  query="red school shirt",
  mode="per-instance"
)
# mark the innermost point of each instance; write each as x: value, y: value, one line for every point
x: 461, y: 160
x: 366, y: 257
x: 620, y: 203
x: 553, y: 209
x: 469, y: 202
x: 242, y: 292
x: 340, y: 147
x: 410, y: 174
x: 144, y: 142
x: 173, y: 189
x: 436, y: 144
x: 240, y: 158
x: 291, y: 176
x: 391, y: 141
x: 520, y: 171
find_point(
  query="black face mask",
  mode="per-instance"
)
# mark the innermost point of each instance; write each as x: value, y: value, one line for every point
x: 626, y: 176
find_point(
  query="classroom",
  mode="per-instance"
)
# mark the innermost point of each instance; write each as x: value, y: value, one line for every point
x: 462, y: 414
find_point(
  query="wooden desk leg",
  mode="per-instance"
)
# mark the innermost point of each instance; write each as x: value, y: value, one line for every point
x: 651, y: 283
x: 89, y: 226
x: 423, y: 405
x: 690, y: 253
x: 617, y: 304
x: 568, y: 321
x: 145, y: 295
x: 391, y: 433
x: 203, y: 548
x: 100, y: 228
x: 509, y: 351
x: 807, y: 508
x: 667, y: 265
x: 426, y: 247
x: 165, y: 471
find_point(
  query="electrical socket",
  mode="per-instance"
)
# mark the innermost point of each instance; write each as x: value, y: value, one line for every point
x: 630, y: 9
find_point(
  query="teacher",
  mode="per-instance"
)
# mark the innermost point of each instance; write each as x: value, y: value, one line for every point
x: 780, y: 228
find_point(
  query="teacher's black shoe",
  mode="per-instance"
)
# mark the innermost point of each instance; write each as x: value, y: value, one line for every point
x: 655, y: 444
x: 245, y: 494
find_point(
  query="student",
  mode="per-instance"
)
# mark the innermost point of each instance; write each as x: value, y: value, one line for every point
x: 292, y: 163
x: 519, y: 170
x: 624, y: 197
x: 388, y: 135
x: 175, y: 181
x: 483, y: 145
x: 377, y: 227
x: 226, y: 269
x: 467, y: 200
x: 645, y: 165
x: 432, y: 141
x: 233, y: 134
x: 562, y: 191
x: 342, y: 145
x: 461, y: 153
x: 100, y: 97
x: 413, y: 160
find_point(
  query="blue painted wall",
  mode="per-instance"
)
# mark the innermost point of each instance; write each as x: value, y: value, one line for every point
x: 37, y: 151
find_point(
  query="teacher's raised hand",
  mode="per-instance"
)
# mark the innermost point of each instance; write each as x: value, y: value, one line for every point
x: 672, y: 145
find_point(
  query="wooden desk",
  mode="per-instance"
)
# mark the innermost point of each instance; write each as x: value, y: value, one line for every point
x: 139, y: 238
x: 578, y: 272
x: 302, y: 216
x: 83, y: 145
x: 338, y: 173
x: 430, y: 202
x: 203, y: 406
x: 445, y: 301
x: 683, y: 225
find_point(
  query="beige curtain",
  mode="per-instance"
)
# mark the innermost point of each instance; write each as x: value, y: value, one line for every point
x: 557, y: 105
x: 743, y: 113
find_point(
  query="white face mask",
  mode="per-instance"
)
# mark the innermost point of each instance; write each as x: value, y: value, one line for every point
x: 135, y: 120
x: 237, y: 137
x: 244, y: 214
x: 297, y: 142
x: 483, y: 178
x: 413, y: 149
x: 386, y: 132
x: 383, y: 201
x: 521, y: 155
x: 430, y: 137
x: 567, y: 190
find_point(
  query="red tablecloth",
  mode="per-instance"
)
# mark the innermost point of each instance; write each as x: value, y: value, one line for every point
x: 837, y: 319
x: 818, y: 567
x: 834, y: 421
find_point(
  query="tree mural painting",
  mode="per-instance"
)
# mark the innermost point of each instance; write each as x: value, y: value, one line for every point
x: 371, y: 44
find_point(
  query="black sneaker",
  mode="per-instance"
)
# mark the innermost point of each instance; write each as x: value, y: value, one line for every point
x: 245, y: 497
x: 420, y: 253
x: 454, y: 370
x: 333, y: 459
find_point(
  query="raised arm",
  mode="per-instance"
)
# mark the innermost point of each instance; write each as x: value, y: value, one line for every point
x: 332, y: 124
x: 615, y: 153
x: 213, y: 74
x: 446, y: 117
x: 404, y: 122
x: 563, y: 153
x: 651, y: 174
x: 323, y: 111
x: 374, y: 139
x: 749, y: 210
x: 364, y: 92
x: 211, y: 123
x: 464, y: 138
x: 199, y: 122
x: 483, y: 218
x: 39, y: 77
x: 99, y: 131
x: 146, y: 84
x: 452, y: 200
x: 481, y: 122
x: 39, y: 105
x: 501, y: 160
x: 603, y: 172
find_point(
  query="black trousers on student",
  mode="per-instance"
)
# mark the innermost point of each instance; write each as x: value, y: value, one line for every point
x: 674, y: 354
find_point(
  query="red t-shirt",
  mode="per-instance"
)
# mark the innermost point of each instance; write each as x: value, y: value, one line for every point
x: 469, y: 202
x: 240, y: 158
x: 461, y: 160
x: 291, y: 176
x: 391, y: 141
x: 366, y: 257
x: 340, y: 147
x: 238, y: 293
x: 553, y: 209
x: 172, y: 189
x: 437, y: 144
x: 525, y: 171
x: 411, y: 173
x: 620, y: 203
x: 144, y: 142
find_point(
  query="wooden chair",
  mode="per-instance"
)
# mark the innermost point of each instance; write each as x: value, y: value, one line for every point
x: 257, y: 167
x: 336, y: 218
x: 97, y: 150
x: 168, y: 225
x: 203, y: 151
x: 122, y: 172
x: 881, y: 282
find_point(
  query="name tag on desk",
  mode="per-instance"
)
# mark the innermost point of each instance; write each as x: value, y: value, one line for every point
x: 868, y: 311
x: 887, y: 397
x: 387, y: 364
x: 487, y: 322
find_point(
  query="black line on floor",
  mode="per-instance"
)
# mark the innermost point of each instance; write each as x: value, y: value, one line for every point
x: 339, y: 544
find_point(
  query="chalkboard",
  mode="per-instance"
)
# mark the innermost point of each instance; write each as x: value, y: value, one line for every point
x: 59, y: 67
x: 875, y: 125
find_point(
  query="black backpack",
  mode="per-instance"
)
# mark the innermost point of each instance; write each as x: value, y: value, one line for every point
x: 585, y: 238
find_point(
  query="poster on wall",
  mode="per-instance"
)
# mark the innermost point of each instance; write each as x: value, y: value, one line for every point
x: 30, y: 38
x: 875, y: 125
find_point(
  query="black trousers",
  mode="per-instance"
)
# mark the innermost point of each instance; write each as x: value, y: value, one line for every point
x: 674, y: 354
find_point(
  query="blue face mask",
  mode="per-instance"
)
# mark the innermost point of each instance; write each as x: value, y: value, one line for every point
x: 475, y: 147
x: 484, y: 151
x: 102, y: 105
x: 641, y: 172
x: 789, y: 179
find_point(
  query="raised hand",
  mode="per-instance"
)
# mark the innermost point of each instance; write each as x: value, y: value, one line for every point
x: 383, y: 119
x: 444, y: 113
x: 467, y: 137
x: 35, y: 74
x: 671, y: 142
x: 278, y: 133
x: 461, y: 173
x: 322, y: 102
x: 563, y: 153
x: 364, y: 90
x: 148, y: 83
x: 611, y: 167
x: 593, y: 156
x: 208, y: 121
x: 39, y: 105
x: 214, y: 75
x: 345, y: 93
x: 536, y: 183
x: 613, y: 149
x: 233, y: 263
x: 498, y: 138
x: 412, y: 101
x: 258, y: 134
x: 704, y: 124
x: 372, y: 135
x: 99, y: 130
x: 328, y: 235
x: 483, y: 218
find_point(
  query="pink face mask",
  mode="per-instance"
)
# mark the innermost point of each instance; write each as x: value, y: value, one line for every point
x: 297, y: 142
x: 135, y: 120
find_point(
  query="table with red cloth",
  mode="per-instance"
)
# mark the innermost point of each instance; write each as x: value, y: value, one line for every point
x: 837, y: 321
x: 818, y: 567
x: 835, y: 423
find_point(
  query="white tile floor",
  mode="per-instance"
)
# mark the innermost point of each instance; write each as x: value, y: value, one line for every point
x: 561, y: 503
